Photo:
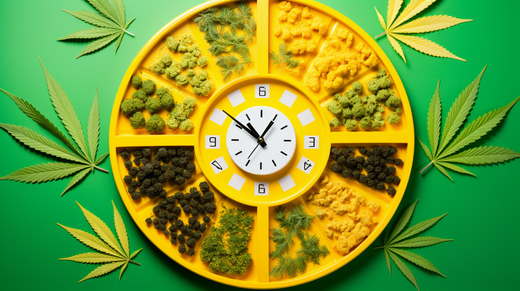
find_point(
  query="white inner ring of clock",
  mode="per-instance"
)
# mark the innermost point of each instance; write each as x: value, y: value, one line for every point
x: 280, y: 140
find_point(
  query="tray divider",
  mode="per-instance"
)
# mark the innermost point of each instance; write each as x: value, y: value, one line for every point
x: 375, y: 137
x: 325, y: 99
x: 262, y: 252
x: 152, y: 140
x: 262, y: 37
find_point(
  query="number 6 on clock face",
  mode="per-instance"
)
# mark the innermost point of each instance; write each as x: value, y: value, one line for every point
x: 262, y: 188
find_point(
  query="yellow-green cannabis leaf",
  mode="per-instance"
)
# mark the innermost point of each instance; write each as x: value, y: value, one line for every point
x: 79, y: 160
x: 110, y: 25
x: 396, y: 28
x: 399, y: 239
x: 111, y: 255
x: 443, y: 153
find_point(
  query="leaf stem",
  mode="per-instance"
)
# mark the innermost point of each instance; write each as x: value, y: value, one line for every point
x: 381, y: 247
x: 134, y: 263
x: 426, y: 166
x: 380, y: 35
x: 101, y: 169
x: 129, y: 32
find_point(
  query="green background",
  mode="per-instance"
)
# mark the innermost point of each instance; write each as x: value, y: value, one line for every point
x: 484, y: 219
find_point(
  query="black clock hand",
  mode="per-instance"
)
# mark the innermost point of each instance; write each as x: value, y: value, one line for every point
x: 271, y: 123
x: 253, y: 151
x: 241, y: 125
x: 253, y: 129
x: 260, y: 140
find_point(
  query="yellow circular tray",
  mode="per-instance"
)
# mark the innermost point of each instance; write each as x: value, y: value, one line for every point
x: 122, y: 136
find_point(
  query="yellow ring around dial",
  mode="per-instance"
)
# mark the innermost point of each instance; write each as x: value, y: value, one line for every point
x: 299, y: 107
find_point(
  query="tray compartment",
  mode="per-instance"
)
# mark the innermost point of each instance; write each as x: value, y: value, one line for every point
x: 169, y: 186
x: 275, y: 41
x: 250, y: 69
x: 315, y: 228
x: 379, y: 196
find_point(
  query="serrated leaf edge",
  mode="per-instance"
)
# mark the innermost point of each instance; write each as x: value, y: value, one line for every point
x: 102, y: 230
x: 418, y: 228
x: 121, y: 231
x: 403, y: 221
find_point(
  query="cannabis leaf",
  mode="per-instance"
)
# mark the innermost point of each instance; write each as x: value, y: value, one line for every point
x: 84, y: 159
x: 294, y: 224
x: 443, y: 154
x: 111, y: 24
x: 399, y: 239
x: 112, y: 256
x: 395, y: 29
x: 283, y: 58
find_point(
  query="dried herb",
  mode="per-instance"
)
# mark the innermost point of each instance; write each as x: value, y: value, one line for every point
x: 284, y: 57
x: 225, y: 249
x: 294, y: 222
x: 228, y: 31
x: 84, y: 159
x: 111, y: 255
x: 399, y: 239
x: 396, y: 29
x: 111, y: 24
x: 443, y: 154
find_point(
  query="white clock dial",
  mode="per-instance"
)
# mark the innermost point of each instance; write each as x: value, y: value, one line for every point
x: 250, y: 155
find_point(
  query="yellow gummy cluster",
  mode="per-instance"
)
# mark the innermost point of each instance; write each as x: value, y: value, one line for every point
x: 296, y: 25
x: 336, y: 197
x: 337, y: 59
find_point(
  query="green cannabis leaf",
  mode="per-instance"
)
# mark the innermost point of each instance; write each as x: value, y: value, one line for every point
x: 283, y: 58
x: 112, y: 256
x: 111, y: 24
x: 228, y: 30
x: 84, y: 158
x: 442, y: 153
x: 292, y: 223
x: 393, y: 246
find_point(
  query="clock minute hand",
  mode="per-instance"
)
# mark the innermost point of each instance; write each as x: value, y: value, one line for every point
x: 241, y: 125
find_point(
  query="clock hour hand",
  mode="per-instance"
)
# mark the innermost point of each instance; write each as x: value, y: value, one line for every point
x: 271, y: 123
x: 259, y: 140
x: 241, y: 125
x: 253, y: 129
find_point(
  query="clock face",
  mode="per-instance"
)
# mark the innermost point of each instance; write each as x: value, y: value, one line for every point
x: 269, y: 156
x: 262, y: 141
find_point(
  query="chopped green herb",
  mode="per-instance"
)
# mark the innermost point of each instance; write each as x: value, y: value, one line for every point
x: 284, y: 57
x: 221, y: 26
x: 225, y: 249
x: 291, y: 223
